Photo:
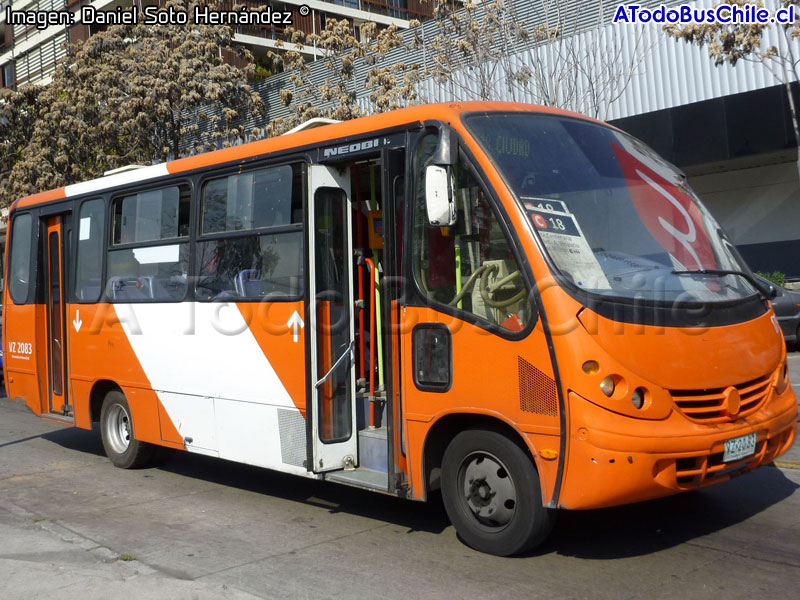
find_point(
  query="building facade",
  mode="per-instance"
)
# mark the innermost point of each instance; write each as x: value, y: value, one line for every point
x: 28, y: 54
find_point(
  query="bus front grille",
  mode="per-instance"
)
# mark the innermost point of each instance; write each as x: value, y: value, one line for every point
x: 712, y: 406
x: 697, y: 471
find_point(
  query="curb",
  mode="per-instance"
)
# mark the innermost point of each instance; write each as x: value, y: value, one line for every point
x: 787, y: 463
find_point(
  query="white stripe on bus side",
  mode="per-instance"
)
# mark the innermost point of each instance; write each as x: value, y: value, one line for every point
x: 212, y: 377
x: 103, y: 183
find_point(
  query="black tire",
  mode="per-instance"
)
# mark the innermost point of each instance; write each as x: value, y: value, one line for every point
x: 492, y: 494
x: 119, y: 440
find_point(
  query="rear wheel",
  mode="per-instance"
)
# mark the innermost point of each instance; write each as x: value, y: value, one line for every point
x: 492, y: 494
x: 116, y: 428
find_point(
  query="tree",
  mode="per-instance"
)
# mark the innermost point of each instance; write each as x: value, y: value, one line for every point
x: 730, y: 43
x: 478, y: 50
x: 485, y: 50
x: 18, y: 113
x: 336, y: 98
x: 471, y: 45
x: 389, y: 83
x: 135, y: 94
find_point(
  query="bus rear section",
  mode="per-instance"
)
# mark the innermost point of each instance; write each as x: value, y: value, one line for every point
x: 521, y: 308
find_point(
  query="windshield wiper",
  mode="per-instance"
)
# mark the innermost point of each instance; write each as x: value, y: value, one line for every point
x: 750, y: 279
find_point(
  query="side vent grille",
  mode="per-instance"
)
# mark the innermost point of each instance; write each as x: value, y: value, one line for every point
x: 537, y: 391
x: 292, y: 431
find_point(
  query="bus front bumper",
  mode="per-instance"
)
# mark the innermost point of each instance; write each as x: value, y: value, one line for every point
x: 657, y: 458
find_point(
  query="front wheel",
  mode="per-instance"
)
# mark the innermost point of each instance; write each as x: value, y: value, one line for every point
x: 492, y: 494
x: 116, y: 428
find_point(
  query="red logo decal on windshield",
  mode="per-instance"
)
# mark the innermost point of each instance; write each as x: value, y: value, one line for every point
x: 539, y: 221
x: 669, y: 214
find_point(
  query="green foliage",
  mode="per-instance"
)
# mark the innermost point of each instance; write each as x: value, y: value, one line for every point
x: 262, y: 72
x: 775, y: 277
x: 127, y: 558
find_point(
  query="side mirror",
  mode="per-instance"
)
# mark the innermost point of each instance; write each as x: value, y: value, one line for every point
x: 773, y: 291
x: 439, y: 196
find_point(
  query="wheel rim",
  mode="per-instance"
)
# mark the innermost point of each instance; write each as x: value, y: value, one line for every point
x: 488, y: 490
x: 118, y: 428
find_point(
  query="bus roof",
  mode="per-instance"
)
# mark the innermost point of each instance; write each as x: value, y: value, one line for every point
x: 335, y: 131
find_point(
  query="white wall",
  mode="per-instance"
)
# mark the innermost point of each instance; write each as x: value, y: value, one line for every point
x: 756, y: 205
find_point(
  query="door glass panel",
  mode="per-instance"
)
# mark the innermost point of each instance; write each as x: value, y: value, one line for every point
x: 470, y: 266
x: 20, y: 271
x: 332, y: 305
x: 89, y: 262
x: 55, y: 315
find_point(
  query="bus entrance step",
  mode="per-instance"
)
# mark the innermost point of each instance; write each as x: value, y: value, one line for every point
x: 372, y: 449
x: 361, y: 477
x: 61, y: 418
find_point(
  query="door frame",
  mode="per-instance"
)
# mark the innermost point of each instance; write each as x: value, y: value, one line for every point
x: 328, y: 456
x: 56, y: 224
x: 394, y: 166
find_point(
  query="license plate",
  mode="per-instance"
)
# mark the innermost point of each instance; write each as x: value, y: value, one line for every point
x: 739, y: 447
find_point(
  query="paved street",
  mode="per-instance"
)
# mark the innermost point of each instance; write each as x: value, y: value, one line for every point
x: 72, y: 526
x: 793, y: 359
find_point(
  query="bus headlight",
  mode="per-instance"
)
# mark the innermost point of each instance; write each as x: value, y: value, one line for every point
x: 607, y: 386
x: 637, y: 397
x: 590, y: 367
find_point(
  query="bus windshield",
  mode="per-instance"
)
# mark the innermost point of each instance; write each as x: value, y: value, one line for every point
x: 615, y: 219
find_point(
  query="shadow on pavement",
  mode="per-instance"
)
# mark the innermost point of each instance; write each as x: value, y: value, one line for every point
x: 625, y: 531
x: 647, y: 527
x: 333, y: 497
x: 81, y: 440
x: 21, y: 440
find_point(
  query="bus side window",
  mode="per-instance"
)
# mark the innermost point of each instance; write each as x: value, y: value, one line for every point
x: 256, y: 251
x: 489, y: 283
x: 19, y: 272
x: 89, y: 263
x: 149, y: 255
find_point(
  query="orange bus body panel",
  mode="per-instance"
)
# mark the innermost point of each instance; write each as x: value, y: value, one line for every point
x: 101, y: 350
x: 21, y: 368
x: 485, y: 381
x: 267, y: 322
x: 643, y: 464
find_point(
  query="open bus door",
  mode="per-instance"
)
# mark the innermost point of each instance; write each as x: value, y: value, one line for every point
x: 330, y: 316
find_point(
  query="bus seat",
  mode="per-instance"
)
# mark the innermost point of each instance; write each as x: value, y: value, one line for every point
x: 90, y: 290
x: 248, y: 283
x: 172, y: 287
x: 129, y: 288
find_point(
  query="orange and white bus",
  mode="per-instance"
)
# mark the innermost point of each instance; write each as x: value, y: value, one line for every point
x: 521, y: 307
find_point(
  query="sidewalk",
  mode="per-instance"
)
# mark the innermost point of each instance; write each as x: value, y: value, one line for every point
x: 41, y: 559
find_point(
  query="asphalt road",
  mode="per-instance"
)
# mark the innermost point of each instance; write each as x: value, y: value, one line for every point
x: 73, y: 526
